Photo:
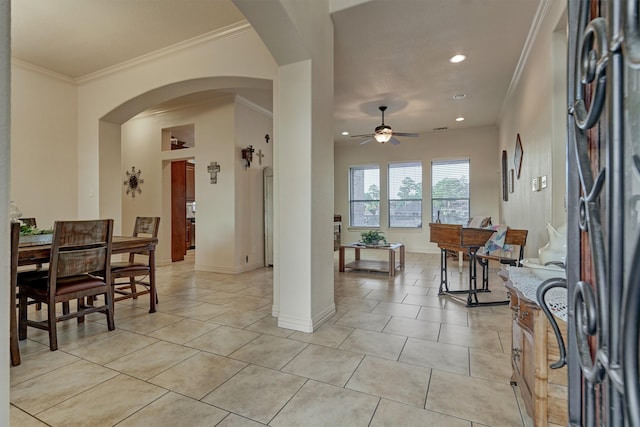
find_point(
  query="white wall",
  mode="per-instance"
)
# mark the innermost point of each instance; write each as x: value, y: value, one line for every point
x: 251, y: 125
x: 5, y: 156
x: 43, y: 145
x: 479, y: 145
x: 534, y: 113
x: 239, y: 53
x: 115, y: 97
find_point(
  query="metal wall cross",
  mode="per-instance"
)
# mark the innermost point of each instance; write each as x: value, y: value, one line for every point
x: 213, y: 169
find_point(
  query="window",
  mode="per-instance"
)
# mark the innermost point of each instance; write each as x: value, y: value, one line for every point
x: 405, y: 195
x: 450, y: 191
x: 364, y: 196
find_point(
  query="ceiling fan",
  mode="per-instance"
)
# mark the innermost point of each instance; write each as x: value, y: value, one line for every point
x: 383, y: 133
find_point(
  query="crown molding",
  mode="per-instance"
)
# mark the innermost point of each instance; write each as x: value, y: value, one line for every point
x: 41, y: 70
x: 227, y: 31
x: 254, y: 106
x: 541, y: 13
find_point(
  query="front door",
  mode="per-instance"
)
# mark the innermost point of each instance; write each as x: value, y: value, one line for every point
x: 603, y: 254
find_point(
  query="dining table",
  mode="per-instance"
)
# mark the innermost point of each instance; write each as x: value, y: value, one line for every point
x: 38, y: 254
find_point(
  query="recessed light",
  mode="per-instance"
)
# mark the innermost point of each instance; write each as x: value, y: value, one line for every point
x: 457, y: 58
x: 345, y: 133
x: 459, y: 96
x: 459, y: 119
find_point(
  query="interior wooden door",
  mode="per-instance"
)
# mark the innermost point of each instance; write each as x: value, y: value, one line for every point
x: 178, y: 210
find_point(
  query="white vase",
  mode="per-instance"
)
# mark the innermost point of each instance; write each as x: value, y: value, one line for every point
x: 556, y: 249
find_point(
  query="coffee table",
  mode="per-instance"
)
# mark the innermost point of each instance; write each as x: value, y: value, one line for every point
x: 389, y: 266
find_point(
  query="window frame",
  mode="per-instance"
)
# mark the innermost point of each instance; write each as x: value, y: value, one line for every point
x: 352, y: 201
x: 391, y: 200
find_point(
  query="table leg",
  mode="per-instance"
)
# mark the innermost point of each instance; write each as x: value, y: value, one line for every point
x: 152, y: 280
x: 392, y: 263
x: 443, y: 272
x: 402, y: 256
x: 341, y: 259
x: 473, y: 283
x: 357, y: 250
x: 460, y: 261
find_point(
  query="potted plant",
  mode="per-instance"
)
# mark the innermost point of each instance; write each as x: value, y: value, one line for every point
x: 373, y: 237
x: 33, y: 235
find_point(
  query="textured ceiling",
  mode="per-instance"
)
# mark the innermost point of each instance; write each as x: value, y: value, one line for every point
x: 391, y: 52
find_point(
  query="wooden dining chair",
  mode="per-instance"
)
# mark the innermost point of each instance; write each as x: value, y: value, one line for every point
x: 513, y: 237
x: 126, y: 275
x: 79, y: 268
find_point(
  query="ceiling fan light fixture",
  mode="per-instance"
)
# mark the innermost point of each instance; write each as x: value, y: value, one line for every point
x: 383, y: 134
x: 382, y: 137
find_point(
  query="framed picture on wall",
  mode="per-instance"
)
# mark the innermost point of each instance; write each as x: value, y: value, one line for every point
x: 511, y: 173
x: 505, y: 188
x: 517, y: 158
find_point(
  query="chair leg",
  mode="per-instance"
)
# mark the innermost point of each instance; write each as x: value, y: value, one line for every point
x: 14, y: 347
x: 38, y: 306
x: 22, y: 317
x: 65, y: 307
x: 132, y: 283
x: 53, y: 331
x: 80, y: 303
x: 153, y: 296
x: 108, y: 298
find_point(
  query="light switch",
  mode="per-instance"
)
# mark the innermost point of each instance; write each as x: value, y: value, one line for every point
x: 543, y: 181
x: 535, y: 184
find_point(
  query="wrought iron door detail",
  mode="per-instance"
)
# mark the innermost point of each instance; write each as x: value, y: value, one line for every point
x: 603, y: 263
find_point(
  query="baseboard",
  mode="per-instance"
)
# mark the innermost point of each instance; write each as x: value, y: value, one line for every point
x: 227, y: 270
x: 307, y: 325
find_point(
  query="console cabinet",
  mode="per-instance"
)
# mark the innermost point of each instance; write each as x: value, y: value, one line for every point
x: 533, y: 349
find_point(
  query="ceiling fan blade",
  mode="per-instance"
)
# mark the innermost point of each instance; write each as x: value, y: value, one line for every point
x: 366, y: 140
x: 394, y: 141
x: 406, y: 134
x: 367, y: 135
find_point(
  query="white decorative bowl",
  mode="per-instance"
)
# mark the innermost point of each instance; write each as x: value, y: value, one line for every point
x: 543, y: 272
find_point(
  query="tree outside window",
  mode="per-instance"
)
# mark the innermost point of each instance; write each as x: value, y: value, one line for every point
x: 364, y: 196
x: 405, y: 194
x: 450, y: 191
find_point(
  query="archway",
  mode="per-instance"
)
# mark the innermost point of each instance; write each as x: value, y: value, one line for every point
x: 110, y: 137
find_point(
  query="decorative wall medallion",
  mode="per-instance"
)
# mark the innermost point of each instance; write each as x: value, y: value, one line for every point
x: 133, y: 181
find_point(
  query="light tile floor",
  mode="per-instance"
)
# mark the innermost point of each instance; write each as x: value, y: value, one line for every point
x: 394, y: 354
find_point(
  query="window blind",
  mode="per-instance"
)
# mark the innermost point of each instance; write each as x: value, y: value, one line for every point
x: 450, y: 191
